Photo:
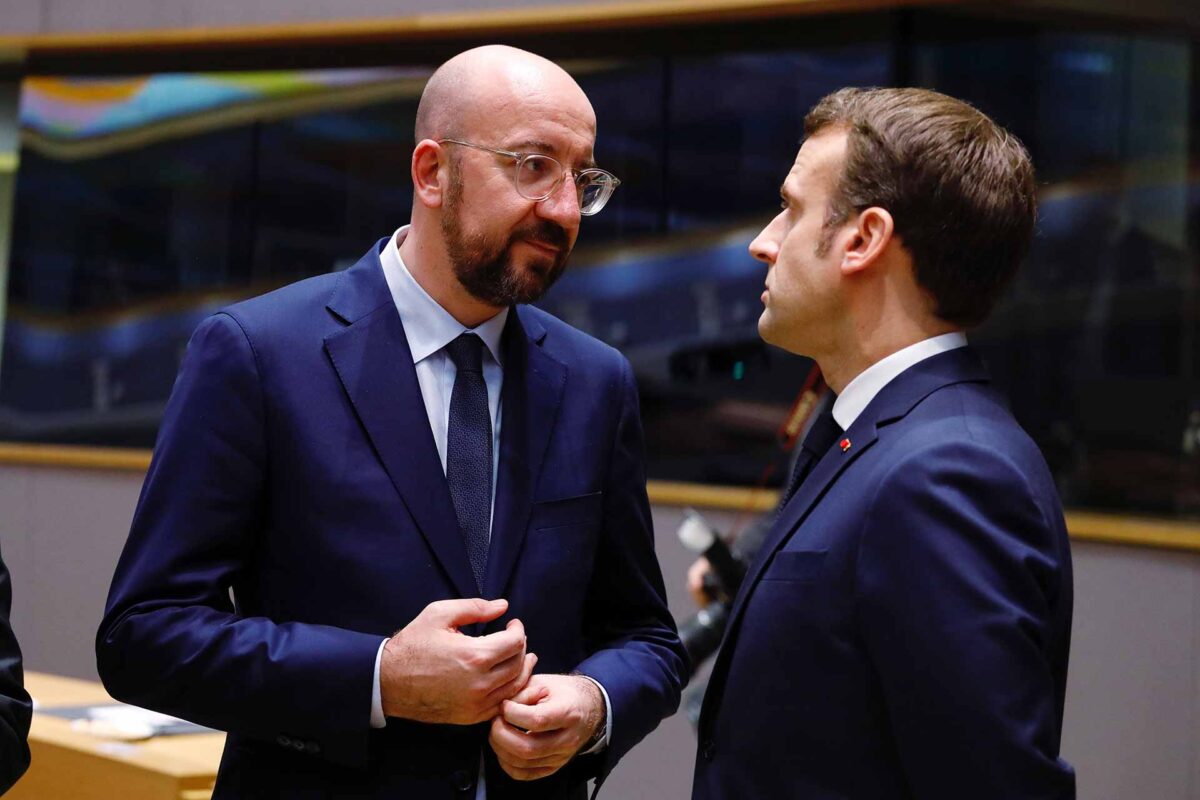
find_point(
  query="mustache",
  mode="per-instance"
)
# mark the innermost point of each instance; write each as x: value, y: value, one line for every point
x: 544, y: 232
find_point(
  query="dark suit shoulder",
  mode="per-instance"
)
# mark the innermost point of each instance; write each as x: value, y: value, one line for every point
x: 299, y: 302
x: 571, y: 345
x: 968, y: 417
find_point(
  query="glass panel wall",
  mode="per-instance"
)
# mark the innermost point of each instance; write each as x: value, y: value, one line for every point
x: 143, y: 204
x: 1096, y: 344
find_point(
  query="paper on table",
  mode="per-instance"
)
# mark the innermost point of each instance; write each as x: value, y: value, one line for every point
x: 123, y: 722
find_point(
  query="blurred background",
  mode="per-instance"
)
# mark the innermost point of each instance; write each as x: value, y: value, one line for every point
x: 159, y: 160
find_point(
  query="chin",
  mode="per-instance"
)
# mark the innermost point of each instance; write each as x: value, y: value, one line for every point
x: 765, y: 331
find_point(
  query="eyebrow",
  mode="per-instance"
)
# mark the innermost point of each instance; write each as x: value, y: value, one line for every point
x: 539, y: 146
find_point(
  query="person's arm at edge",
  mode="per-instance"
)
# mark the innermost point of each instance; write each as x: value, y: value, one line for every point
x: 16, y: 709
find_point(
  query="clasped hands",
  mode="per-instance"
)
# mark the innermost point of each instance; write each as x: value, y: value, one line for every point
x: 432, y: 672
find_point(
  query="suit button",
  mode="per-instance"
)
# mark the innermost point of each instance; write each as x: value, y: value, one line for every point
x: 283, y: 741
x: 298, y: 745
x: 708, y: 750
x: 312, y: 748
x: 461, y: 780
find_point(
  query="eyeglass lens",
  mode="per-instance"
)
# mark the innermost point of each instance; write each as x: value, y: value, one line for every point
x: 538, y: 177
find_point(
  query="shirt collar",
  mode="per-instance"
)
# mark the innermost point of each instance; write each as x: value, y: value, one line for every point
x: 859, y: 393
x: 427, y: 325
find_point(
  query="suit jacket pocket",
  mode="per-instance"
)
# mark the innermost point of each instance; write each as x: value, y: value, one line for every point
x: 800, y: 566
x: 584, y: 509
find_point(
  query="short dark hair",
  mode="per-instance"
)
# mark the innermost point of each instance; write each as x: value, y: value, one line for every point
x: 959, y: 187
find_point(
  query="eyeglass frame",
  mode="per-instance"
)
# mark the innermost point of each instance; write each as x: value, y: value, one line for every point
x: 521, y: 158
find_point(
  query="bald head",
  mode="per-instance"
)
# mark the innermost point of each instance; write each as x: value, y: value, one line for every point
x: 467, y: 92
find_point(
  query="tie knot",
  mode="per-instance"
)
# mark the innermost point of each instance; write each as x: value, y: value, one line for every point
x: 467, y: 353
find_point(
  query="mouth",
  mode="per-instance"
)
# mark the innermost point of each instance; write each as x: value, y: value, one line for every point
x: 545, y: 247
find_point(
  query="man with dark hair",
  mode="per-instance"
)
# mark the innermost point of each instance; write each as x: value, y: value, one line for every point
x: 395, y: 538
x: 904, y: 630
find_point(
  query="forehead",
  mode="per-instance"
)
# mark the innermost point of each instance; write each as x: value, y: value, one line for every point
x: 818, y: 164
x: 544, y: 117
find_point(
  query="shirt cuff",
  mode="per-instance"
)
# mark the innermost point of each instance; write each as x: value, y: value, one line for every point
x: 603, y: 743
x: 378, y: 720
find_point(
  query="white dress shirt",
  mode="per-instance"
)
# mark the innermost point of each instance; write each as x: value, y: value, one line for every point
x: 429, y: 328
x: 859, y: 393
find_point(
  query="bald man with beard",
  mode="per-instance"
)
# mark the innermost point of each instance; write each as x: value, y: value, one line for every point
x: 395, y: 537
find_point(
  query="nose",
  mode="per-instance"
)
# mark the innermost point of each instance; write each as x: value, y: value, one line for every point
x: 562, y: 206
x: 765, y: 246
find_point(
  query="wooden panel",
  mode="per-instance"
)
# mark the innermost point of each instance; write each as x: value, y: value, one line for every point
x: 68, y: 456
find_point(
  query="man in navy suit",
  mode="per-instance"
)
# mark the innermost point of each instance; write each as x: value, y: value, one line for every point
x: 395, y: 537
x: 903, y: 632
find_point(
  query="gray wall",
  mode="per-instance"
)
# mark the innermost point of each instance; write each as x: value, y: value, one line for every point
x: 1133, y: 709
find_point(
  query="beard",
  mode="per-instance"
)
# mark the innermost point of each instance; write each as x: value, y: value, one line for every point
x: 486, y: 268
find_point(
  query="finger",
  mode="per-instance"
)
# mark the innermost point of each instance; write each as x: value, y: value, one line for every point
x: 517, y: 773
x: 695, y: 581
x: 553, y: 760
x: 456, y: 613
x: 515, y: 624
x: 501, y: 646
x: 544, y: 716
x: 529, y: 750
x: 504, y: 671
x: 533, y: 693
x: 547, y: 749
x: 507, y: 690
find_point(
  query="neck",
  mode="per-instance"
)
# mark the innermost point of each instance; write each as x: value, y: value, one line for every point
x: 429, y: 264
x: 870, y: 343
x: 885, y: 311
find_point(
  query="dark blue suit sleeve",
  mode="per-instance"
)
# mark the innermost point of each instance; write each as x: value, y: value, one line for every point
x: 16, y: 710
x: 962, y: 571
x: 171, y: 639
x: 636, y: 654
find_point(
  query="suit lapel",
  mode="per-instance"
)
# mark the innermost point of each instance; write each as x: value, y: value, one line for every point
x: 373, y: 362
x: 822, y: 476
x: 532, y: 393
x: 892, y: 403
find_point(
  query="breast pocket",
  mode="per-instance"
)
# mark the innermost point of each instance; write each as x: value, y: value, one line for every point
x: 796, y: 566
x: 560, y: 549
x: 567, y: 512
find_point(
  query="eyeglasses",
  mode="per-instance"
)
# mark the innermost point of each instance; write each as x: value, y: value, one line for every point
x: 538, y: 176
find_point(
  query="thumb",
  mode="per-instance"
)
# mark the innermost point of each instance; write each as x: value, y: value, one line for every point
x: 454, y: 613
x: 531, y: 694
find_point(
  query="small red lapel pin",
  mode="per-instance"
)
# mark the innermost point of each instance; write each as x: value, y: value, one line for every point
x: 844, y: 444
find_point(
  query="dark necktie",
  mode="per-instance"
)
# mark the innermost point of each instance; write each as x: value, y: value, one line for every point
x: 469, y: 450
x: 820, y: 437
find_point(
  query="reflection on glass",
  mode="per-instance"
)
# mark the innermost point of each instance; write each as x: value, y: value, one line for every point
x: 1096, y: 344
x: 143, y: 204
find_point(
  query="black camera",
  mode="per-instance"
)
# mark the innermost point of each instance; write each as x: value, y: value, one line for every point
x: 701, y: 635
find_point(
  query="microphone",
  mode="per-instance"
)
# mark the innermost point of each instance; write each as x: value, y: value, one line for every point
x: 699, y: 536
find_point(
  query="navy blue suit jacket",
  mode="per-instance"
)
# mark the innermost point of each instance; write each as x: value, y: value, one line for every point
x: 903, y: 633
x: 295, y: 466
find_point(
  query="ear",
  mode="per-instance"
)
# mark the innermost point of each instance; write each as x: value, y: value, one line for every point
x: 430, y: 173
x: 873, y: 233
